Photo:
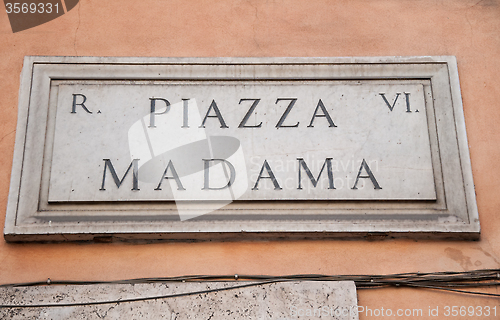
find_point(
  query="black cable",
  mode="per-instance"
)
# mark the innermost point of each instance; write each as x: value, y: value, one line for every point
x: 460, y: 291
x: 176, y: 295
x: 446, y: 280
x: 472, y: 278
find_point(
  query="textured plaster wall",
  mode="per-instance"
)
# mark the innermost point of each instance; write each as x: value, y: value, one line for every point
x: 468, y: 29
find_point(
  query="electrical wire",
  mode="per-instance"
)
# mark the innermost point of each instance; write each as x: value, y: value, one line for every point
x: 448, y: 281
x: 176, y: 295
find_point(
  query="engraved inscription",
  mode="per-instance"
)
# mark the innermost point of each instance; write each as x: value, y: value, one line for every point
x: 248, y: 141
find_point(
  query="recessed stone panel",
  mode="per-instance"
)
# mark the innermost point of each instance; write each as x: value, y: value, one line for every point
x: 219, y: 136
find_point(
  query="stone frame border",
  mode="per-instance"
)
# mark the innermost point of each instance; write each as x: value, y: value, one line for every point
x: 454, y: 215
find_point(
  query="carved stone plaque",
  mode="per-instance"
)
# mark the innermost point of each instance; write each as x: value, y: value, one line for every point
x: 233, y: 148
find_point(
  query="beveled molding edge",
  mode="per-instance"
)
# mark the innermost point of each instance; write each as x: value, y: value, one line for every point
x: 25, y: 226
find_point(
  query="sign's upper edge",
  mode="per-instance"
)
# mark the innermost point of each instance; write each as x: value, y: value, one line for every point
x: 240, y: 60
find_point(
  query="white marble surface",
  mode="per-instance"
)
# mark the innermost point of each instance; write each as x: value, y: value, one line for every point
x: 280, y: 301
x: 394, y: 143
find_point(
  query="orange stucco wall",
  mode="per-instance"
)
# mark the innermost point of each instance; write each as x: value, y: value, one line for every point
x: 468, y: 29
